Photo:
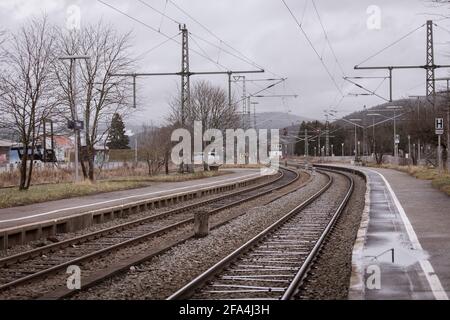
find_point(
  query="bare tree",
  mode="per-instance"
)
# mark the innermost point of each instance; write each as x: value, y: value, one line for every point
x: 99, y: 94
x: 27, y: 88
x: 154, y: 147
x: 208, y: 105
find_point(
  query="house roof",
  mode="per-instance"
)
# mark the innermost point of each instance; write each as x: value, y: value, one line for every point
x: 7, y: 143
x: 63, y: 141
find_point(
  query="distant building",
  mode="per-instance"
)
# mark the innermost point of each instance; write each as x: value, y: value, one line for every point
x: 63, y: 147
x: 7, y: 155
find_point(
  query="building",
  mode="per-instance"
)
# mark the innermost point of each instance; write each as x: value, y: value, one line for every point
x: 6, y: 154
x: 63, y: 147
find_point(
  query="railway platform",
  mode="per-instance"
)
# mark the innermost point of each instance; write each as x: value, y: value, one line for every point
x: 403, y: 247
x: 81, y: 211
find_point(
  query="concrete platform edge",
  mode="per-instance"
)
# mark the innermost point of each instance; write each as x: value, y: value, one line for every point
x: 357, y: 287
x: 34, y: 231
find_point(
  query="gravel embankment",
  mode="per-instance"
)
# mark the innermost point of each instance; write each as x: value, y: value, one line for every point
x: 329, y: 278
x: 97, y: 227
x: 164, y: 274
x: 39, y: 287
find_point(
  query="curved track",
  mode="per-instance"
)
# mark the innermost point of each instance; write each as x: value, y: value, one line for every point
x: 29, y: 265
x: 273, y: 264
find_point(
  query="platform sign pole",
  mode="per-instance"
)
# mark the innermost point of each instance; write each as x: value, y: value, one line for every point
x: 439, y: 153
x: 439, y: 126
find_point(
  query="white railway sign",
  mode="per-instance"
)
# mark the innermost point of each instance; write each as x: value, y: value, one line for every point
x: 439, y: 126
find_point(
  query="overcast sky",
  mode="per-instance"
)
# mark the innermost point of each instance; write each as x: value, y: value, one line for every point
x: 265, y: 32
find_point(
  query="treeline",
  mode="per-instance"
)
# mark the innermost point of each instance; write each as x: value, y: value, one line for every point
x: 37, y: 84
x: 414, y: 125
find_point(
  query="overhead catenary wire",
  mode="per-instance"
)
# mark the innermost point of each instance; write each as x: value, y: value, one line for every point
x: 163, y: 14
x: 209, y: 31
x: 153, y: 29
x: 391, y: 45
x: 313, y: 47
x: 169, y: 38
x: 157, y: 46
x: 222, y: 49
x: 205, y: 53
x: 327, y: 38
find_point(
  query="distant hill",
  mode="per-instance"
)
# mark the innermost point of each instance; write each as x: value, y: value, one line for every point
x: 277, y: 120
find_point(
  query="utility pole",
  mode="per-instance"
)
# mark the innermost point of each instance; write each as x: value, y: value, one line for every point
x: 254, y: 113
x: 185, y: 74
x: 136, y: 149
x: 356, y: 137
x: 409, y: 148
x: 364, y: 152
x: 306, y: 144
x: 318, y: 142
x: 327, y: 139
x: 430, y: 67
x: 373, y: 115
x: 244, y: 100
x: 77, y: 125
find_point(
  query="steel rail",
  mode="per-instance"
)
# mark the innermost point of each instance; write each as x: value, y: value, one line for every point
x: 187, y: 290
x: 8, y: 261
x: 301, y: 274
x: 80, y: 239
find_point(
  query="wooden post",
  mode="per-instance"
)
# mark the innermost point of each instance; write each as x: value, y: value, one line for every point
x: 201, y: 224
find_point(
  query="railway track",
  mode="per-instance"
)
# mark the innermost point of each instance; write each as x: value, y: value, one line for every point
x: 273, y: 264
x: 26, y: 266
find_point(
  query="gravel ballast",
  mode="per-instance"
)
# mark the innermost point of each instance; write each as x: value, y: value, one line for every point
x: 329, y: 277
x: 39, y: 287
x: 164, y: 274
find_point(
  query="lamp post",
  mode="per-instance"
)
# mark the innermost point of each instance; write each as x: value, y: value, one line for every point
x: 342, y: 146
x: 373, y: 115
x: 356, y: 137
x: 332, y: 150
x: 395, y: 108
x: 357, y: 151
x: 409, y: 148
x: 76, y: 124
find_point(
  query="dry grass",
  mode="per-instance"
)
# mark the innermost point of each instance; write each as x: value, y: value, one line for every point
x: 440, y: 181
x: 242, y: 166
x: 61, y: 175
x: 11, y: 197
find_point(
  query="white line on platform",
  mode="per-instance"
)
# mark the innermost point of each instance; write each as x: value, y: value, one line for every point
x: 124, y: 198
x: 432, y: 278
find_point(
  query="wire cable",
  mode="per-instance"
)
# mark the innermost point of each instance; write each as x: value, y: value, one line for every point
x: 160, y: 12
x: 312, y: 46
x: 206, y: 54
x: 208, y: 30
x: 391, y: 45
x: 327, y: 38
x: 248, y: 60
x: 157, y: 46
x: 153, y: 29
